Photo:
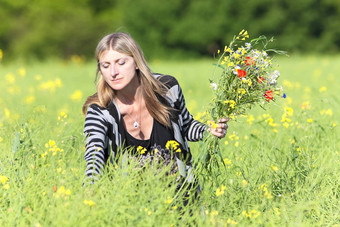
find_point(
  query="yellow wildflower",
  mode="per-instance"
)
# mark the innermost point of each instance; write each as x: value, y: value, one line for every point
x: 305, y: 105
x: 244, y: 183
x: 220, y: 190
x: 141, y: 149
x: 212, y: 124
x: 289, y: 111
x: 3, y: 179
x: 275, y: 168
x: 1, y: 54
x: 77, y: 95
x: 22, y: 72
x: 62, y: 116
x: 229, y: 221
x: 328, y: 112
x: 323, y: 89
x: 173, y: 145
x: 10, y: 78
x: 29, y: 99
x: 89, y: 203
x: 6, y: 186
x: 168, y: 201
x: 241, y: 91
x: 231, y: 103
x: 309, y: 120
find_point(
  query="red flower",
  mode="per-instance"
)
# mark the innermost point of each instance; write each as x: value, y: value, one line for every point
x: 249, y: 61
x: 260, y: 79
x: 241, y: 73
x: 269, y: 95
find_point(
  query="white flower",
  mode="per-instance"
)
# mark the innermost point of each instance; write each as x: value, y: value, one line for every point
x: 264, y: 53
x: 273, y: 77
x: 248, y: 45
x: 213, y: 86
x: 244, y: 80
x: 236, y: 69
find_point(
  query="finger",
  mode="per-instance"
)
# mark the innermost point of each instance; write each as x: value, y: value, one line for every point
x: 223, y: 120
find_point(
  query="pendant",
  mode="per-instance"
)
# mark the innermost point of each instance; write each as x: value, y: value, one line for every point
x: 135, y: 124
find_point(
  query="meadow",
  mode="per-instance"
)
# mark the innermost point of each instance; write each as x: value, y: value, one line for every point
x: 282, y: 163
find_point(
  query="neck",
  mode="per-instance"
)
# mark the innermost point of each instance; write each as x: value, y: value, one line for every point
x: 130, y: 94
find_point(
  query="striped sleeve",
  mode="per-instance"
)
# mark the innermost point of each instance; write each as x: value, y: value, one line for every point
x: 193, y: 130
x: 95, y: 130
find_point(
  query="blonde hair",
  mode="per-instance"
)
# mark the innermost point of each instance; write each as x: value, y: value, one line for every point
x: 151, y: 87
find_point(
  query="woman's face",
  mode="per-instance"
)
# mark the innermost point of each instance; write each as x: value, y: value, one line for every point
x: 118, y: 70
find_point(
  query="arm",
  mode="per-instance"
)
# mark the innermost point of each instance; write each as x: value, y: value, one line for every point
x: 95, y: 130
x: 193, y: 130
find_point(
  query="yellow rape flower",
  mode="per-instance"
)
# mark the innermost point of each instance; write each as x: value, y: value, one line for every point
x: 29, y: 99
x: 275, y: 168
x: 22, y: 72
x: 323, y: 89
x: 289, y: 111
x: 220, y: 190
x: 3, y: 179
x: 141, y: 149
x: 328, y: 112
x: 168, y: 201
x: 250, y: 119
x: 10, y: 78
x: 1, y: 54
x: 212, y: 124
x: 76, y: 95
x: 89, y: 203
x: 241, y: 91
x: 231, y: 103
x: 173, y: 145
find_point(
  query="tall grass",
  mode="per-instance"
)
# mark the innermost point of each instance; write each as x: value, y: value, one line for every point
x: 282, y: 164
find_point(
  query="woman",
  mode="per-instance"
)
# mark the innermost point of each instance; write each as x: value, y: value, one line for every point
x: 136, y: 109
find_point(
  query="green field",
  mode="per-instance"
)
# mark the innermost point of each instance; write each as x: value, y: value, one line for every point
x: 282, y: 163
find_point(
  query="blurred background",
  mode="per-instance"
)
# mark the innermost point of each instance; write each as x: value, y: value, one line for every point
x: 40, y: 29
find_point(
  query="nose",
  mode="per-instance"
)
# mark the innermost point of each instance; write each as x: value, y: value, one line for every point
x: 113, y: 70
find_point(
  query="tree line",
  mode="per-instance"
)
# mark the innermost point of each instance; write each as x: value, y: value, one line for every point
x: 62, y: 28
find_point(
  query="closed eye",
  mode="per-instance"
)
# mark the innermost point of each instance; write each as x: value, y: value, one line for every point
x: 104, y: 65
x: 121, y: 62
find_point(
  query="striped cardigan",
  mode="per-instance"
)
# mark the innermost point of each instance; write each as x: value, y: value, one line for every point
x: 104, y: 136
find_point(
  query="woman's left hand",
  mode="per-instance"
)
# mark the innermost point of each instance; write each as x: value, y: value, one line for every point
x: 221, y: 130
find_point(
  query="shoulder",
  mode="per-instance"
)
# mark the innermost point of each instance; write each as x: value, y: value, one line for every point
x: 167, y: 80
x: 95, y: 108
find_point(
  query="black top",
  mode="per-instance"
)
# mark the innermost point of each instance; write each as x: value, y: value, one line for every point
x: 160, y: 136
x: 158, y: 146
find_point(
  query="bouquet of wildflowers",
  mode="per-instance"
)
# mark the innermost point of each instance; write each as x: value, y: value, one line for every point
x: 248, y: 77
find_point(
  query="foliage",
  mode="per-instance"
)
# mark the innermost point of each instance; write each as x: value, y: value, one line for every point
x: 282, y: 164
x: 163, y: 28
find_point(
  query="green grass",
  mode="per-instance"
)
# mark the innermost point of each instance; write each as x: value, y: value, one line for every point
x: 277, y: 174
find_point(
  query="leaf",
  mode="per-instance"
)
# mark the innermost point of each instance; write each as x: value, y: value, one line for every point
x: 15, y: 143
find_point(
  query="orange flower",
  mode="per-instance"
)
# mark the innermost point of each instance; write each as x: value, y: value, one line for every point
x: 241, y: 73
x: 260, y: 79
x: 269, y: 95
x: 249, y: 61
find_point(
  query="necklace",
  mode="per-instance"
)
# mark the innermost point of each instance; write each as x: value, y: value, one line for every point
x: 135, y: 123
